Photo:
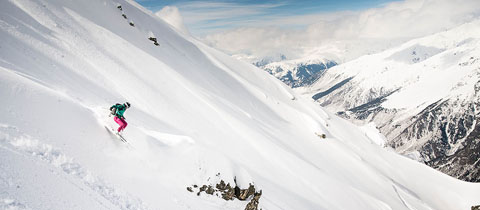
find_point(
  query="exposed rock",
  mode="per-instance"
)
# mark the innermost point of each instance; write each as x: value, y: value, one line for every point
x: 221, y: 186
x: 323, y: 136
x: 203, y: 188
x: 227, y: 192
x: 363, y: 111
x: 244, y: 194
x: 452, y: 138
x: 120, y: 7
x: 154, y: 40
x: 131, y: 24
x: 210, y: 190
x: 476, y: 207
x: 124, y: 16
x: 446, y: 133
x: 253, y: 204
x: 330, y: 90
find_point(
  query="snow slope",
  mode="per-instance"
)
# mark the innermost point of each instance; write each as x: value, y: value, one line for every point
x: 430, y: 66
x: 423, y: 95
x: 197, y: 116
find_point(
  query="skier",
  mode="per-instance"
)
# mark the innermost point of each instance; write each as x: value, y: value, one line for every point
x: 117, y: 110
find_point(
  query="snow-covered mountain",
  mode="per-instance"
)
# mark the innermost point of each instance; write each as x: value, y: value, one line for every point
x: 424, y: 96
x: 198, y: 117
x: 259, y: 62
x: 298, y: 72
x: 309, y: 65
x: 293, y: 72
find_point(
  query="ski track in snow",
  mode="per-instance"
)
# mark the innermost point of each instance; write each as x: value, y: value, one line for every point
x: 168, y: 139
x: 24, y: 144
x: 405, y: 196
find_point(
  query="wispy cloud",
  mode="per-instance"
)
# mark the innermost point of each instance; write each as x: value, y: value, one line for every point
x: 208, y: 16
x: 397, y: 20
x: 204, y: 17
x: 296, y: 28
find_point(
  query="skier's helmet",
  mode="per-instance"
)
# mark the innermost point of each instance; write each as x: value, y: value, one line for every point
x: 127, y: 104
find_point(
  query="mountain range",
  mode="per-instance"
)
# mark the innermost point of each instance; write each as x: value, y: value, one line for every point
x: 205, y: 131
x: 298, y: 72
x: 423, y: 96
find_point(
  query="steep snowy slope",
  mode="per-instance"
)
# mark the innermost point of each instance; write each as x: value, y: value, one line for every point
x: 423, y: 95
x: 197, y: 117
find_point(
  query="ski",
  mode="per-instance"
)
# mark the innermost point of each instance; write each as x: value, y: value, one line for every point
x: 112, y: 132
x: 121, y: 138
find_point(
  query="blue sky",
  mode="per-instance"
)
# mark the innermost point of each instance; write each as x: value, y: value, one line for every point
x: 205, y: 17
x: 285, y: 7
x: 295, y: 28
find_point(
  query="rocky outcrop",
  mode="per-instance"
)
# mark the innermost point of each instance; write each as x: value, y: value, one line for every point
x: 228, y: 192
x: 154, y: 40
x: 253, y: 204
x: 451, y: 132
x: 130, y: 22
x: 446, y: 133
x: 330, y: 90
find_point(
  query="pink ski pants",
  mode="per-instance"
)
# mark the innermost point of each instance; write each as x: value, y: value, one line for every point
x: 120, y: 122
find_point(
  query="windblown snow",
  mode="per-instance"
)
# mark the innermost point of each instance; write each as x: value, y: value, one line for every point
x: 197, y: 116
